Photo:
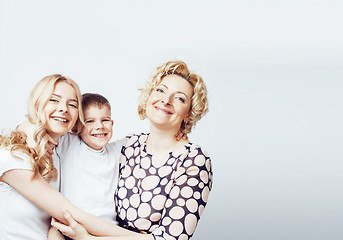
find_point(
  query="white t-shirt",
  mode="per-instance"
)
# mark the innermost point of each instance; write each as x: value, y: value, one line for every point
x: 19, y: 218
x: 89, y: 177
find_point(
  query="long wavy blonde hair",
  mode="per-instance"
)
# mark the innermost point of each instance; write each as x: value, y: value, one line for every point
x: 38, y: 99
x: 199, y: 102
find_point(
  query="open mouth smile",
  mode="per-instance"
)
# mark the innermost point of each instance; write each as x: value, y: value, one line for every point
x: 60, y: 119
x: 99, y: 135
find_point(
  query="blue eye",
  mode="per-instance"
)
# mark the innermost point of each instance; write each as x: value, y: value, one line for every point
x: 159, y: 90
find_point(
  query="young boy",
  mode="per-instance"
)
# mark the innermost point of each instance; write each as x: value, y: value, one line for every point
x: 90, y: 166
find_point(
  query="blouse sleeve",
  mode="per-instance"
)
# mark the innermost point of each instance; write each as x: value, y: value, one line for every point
x: 187, y: 199
x: 17, y: 160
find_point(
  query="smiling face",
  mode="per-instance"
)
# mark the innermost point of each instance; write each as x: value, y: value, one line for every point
x: 98, y: 128
x: 61, y: 111
x: 169, y: 103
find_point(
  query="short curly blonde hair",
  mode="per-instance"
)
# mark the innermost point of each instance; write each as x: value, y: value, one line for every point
x: 199, y: 102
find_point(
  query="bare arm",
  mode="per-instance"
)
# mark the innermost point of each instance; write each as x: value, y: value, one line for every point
x: 42, y: 195
x: 54, y: 234
x: 194, y: 184
x: 77, y: 232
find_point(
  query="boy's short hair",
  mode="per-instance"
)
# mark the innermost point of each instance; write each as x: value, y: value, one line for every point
x: 94, y: 99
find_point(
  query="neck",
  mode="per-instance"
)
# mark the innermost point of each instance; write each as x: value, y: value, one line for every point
x: 162, y: 141
x: 53, y: 138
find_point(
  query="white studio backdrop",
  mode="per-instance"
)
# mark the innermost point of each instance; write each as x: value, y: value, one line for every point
x: 274, y: 74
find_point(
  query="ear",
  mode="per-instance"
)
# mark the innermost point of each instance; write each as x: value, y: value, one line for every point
x: 112, y: 122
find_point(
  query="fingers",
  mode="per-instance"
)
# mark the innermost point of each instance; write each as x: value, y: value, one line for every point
x: 73, y: 230
x: 64, y: 229
x: 69, y: 218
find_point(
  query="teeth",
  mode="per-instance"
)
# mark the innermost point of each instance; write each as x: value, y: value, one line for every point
x: 100, y: 135
x: 60, y: 119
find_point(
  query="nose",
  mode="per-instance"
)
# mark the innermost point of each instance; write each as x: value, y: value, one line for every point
x: 99, y: 125
x: 166, y: 100
x: 62, y: 107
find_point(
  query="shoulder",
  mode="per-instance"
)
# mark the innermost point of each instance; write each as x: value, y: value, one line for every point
x: 195, y: 151
x: 116, y: 145
x: 135, y: 139
x: 67, y: 138
x: 7, y: 155
x: 198, y: 162
x: 66, y: 141
x: 10, y: 160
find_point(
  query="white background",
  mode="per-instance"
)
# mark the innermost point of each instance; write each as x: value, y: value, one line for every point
x: 274, y: 74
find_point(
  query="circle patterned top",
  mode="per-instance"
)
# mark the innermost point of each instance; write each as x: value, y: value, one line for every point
x: 165, y: 200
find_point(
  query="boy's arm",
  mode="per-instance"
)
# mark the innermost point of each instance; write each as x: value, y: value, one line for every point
x: 54, y: 234
x: 41, y: 194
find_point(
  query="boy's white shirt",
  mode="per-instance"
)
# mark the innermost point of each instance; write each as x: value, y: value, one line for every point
x: 88, y: 178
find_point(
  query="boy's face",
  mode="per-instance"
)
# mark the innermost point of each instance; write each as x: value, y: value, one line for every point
x: 98, y: 128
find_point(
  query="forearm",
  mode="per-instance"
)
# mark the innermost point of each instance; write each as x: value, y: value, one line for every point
x: 45, y: 197
x: 137, y: 236
x: 54, y: 234
x: 100, y: 227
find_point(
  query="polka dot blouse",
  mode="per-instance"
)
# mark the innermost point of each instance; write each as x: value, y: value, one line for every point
x: 166, y: 201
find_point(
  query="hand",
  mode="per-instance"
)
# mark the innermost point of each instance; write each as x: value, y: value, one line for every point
x: 75, y: 230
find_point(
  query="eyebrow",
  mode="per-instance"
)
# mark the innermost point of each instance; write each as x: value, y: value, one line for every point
x: 72, y: 99
x: 176, y: 92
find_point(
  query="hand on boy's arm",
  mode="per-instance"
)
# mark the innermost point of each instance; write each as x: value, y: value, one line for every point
x: 74, y: 230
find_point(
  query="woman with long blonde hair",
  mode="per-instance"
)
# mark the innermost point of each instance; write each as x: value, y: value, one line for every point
x: 29, y: 177
x: 53, y: 107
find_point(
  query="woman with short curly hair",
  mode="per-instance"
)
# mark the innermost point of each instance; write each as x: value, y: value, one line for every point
x: 199, y: 102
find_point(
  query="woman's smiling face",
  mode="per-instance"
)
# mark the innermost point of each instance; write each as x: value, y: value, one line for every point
x: 61, y: 111
x: 169, y: 103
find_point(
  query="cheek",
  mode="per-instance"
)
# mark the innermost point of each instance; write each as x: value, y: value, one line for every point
x: 84, y: 132
x: 154, y: 96
x: 74, y: 114
x: 47, y: 109
x: 149, y: 102
x: 184, y: 111
x: 109, y: 126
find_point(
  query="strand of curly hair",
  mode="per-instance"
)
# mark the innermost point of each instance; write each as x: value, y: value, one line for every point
x: 41, y: 164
